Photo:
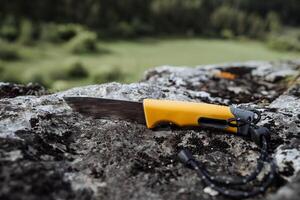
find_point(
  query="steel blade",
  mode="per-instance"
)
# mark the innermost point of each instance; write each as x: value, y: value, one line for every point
x: 107, y: 108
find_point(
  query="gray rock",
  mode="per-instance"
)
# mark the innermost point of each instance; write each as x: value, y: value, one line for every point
x: 49, y: 152
x: 289, y: 191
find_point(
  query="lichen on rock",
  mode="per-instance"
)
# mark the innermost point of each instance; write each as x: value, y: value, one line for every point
x: 50, y: 152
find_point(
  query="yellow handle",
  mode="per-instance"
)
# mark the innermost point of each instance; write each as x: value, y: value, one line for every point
x: 185, y: 113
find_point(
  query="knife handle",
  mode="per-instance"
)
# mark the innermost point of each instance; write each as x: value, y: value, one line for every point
x: 192, y: 114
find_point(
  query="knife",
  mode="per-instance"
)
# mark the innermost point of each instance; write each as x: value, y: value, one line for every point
x: 154, y: 112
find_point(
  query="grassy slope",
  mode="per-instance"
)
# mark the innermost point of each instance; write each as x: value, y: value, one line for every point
x: 133, y: 57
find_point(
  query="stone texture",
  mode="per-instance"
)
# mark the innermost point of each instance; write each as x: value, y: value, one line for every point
x: 49, y: 152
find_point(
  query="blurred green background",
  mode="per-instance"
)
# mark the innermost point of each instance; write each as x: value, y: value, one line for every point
x: 66, y: 43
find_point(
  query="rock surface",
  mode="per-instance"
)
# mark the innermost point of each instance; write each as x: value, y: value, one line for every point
x: 49, y: 152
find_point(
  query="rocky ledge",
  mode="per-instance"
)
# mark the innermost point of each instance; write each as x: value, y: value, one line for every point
x: 49, y: 152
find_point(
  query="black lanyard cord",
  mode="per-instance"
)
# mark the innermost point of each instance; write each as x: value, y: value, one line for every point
x: 260, y: 164
x: 223, y: 186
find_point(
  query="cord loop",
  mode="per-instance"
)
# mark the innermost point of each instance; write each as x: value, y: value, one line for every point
x: 259, y: 135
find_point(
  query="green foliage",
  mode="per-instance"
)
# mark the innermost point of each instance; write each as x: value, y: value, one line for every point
x: 176, y: 16
x: 115, y: 74
x: 229, y: 22
x: 227, y: 34
x: 26, y: 32
x: 8, y: 52
x: 131, y: 29
x: 59, y: 74
x: 40, y: 79
x: 241, y: 23
x: 85, y: 42
x: 77, y: 70
x: 10, y: 77
x: 131, y: 18
x: 2, y: 70
x: 60, y: 32
x: 257, y: 26
x: 125, y: 29
x: 273, y: 22
x: 284, y: 43
x: 72, y: 71
x: 235, y: 22
x: 225, y: 18
x: 132, y: 58
x: 8, y: 29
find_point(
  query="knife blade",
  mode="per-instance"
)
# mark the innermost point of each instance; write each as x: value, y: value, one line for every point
x: 153, y: 112
x: 108, y: 108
